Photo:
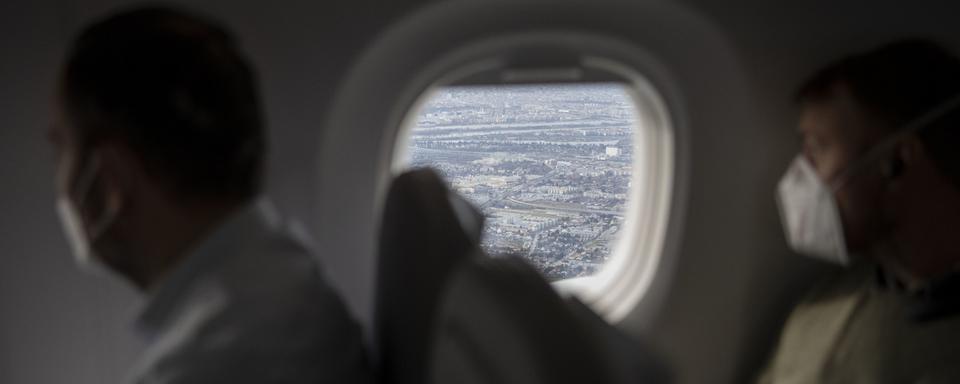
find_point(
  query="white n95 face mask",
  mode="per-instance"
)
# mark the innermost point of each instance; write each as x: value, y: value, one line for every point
x: 78, y: 237
x: 810, y: 215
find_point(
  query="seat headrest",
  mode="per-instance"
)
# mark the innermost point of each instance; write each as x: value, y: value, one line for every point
x: 426, y: 231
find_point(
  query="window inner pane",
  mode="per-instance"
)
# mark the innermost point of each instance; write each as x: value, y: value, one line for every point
x: 549, y: 165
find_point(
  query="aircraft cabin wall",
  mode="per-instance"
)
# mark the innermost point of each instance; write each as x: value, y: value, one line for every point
x: 714, y: 310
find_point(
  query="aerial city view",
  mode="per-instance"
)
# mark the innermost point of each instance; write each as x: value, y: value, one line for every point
x: 549, y: 166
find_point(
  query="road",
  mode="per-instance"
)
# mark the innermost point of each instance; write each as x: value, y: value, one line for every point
x: 566, y: 209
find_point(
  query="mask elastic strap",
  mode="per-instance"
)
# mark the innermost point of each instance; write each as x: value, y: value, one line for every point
x: 84, y: 185
x: 880, y: 150
x: 85, y: 180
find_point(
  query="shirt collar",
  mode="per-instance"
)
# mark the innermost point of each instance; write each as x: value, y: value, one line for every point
x: 935, y: 299
x: 165, y: 298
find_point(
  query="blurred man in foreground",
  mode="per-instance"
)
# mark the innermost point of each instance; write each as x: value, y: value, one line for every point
x: 161, y: 144
x: 877, y: 190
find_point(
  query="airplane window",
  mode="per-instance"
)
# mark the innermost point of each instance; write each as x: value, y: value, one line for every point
x: 549, y: 165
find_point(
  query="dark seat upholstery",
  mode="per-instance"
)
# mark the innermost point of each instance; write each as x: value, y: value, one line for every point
x: 447, y: 313
x: 422, y: 241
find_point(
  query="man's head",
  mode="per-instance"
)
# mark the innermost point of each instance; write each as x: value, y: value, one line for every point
x: 157, y: 113
x: 851, y: 106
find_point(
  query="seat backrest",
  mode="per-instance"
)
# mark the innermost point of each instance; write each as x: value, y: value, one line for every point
x: 425, y: 232
x: 501, y: 322
x: 447, y: 313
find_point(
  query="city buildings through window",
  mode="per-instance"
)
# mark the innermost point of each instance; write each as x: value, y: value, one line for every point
x: 549, y: 165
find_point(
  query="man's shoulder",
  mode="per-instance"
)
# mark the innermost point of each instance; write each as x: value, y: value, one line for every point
x: 264, y: 313
x: 814, y: 325
x: 840, y: 283
x: 277, y: 272
x: 272, y: 254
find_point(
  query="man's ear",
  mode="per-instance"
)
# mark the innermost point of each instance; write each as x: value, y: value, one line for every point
x: 910, y: 152
x: 122, y: 172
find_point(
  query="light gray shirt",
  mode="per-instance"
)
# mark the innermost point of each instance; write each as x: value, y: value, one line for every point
x: 249, y: 305
x: 849, y: 330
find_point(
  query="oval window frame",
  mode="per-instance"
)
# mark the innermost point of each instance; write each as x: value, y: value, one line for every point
x: 570, y: 57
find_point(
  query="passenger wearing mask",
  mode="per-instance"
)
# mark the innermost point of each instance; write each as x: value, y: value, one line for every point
x: 877, y: 190
x: 160, y: 144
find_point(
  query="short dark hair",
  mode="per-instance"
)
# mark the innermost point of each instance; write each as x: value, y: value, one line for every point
x: 174, y: 87
x: 898, y: 82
